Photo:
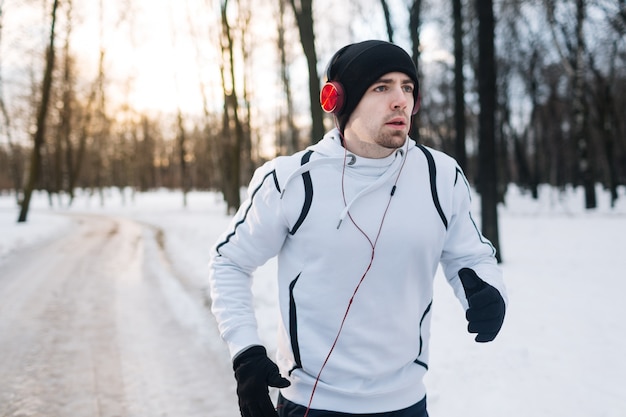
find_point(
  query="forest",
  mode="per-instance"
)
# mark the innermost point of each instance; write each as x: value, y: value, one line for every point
x: 519, y: 92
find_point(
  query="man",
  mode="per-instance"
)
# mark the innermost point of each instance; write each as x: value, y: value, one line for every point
x: 360, y: 222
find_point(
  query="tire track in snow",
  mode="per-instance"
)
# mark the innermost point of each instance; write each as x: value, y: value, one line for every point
x: 94, y: 324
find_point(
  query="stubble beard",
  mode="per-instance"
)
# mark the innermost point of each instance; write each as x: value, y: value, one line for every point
x: 392, y: 140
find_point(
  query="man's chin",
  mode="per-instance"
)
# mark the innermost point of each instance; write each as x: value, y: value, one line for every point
x: 394, y: 140
x: 400, y: 134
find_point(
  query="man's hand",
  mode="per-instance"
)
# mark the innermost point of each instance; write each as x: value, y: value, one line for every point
x: 485, y: 314
x: 254, y: 373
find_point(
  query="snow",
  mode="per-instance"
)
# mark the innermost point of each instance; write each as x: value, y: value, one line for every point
x: 560, y: 352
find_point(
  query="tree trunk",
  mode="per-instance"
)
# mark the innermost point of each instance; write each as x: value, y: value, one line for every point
x: 288, y: 140
x: 580, y: 113
x: 415, y: 22
x: 232, y: 128
x: 609, y: 143
x: 40, y: 132
x: 74, y: 169
x: 304, y: 18
x: 388, y: 23
x: 533, y: 175
x: 607, y: 121
x: 181, y: 139
x: 247, y: 45
x: 65, y: 124
x: 15, y: 151
x: 459, y: 86
x: 486, y: 76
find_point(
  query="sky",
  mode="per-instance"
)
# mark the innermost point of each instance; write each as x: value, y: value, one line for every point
x: 559, y: 354
x: 158, y: 52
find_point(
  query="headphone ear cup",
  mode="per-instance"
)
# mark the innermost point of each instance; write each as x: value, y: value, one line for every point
x: 332, y: 97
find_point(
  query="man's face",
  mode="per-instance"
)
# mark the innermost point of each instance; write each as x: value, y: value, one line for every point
x: 381, y: 120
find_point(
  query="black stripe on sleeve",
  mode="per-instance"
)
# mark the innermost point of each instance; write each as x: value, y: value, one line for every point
x: 308, y: 194
x: 459, y: 173
x: 293, y: 327
x: 243, y: 219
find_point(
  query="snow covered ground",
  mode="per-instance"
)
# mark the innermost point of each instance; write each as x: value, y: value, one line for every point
x: 560, y: 352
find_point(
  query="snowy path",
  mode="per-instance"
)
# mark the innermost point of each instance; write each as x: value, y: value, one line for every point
x: 88, y: 328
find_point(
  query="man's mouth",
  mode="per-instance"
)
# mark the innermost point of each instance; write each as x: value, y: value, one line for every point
x: 397, y: 121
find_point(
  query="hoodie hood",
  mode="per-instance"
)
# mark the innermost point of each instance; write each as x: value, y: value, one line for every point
x: 330, y: 151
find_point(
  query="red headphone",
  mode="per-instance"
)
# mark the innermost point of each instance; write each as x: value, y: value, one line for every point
x: 332, y: 97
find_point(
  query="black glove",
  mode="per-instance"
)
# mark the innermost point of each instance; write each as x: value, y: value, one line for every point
x: 486, y: 306
x: 254, y: 372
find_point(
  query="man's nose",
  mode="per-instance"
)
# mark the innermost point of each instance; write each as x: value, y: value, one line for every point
x: 400, y: 98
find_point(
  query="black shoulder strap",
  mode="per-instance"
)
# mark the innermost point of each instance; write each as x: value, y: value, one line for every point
x: 432, y: 170
x: 308, y: 193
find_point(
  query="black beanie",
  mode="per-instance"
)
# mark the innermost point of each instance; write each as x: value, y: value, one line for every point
x: 357, y: 66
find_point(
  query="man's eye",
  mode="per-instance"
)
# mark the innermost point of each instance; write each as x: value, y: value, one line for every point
x: 380, y: 88
x: 408, y: 88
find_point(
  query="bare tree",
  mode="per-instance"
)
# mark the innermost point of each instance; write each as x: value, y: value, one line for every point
x: 415, y: 22
x: 40, y: 132
x: 580, y: 111
x: 64, y: 134
x: 181, y: 136
x: 303, y: 11
x: 75, y: 159
x: 246, y: 44
x: 573, y: 62
x: 181, y: 140
x: 607, y: 95
x: 529, y: 172
x: 288, y: 137
x: 388, y: 23
x: 232, y: 129
x: 211, y: 173
x: 102, y: 123
x: 488, y: 175
x: 459, y: 85
x: 15, y: 151
x: 607, y: 120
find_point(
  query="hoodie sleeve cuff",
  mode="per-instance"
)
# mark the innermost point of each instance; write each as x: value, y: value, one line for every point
x: 241, y: 339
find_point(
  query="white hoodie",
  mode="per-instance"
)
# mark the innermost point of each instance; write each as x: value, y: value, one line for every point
x: 328, y: 214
